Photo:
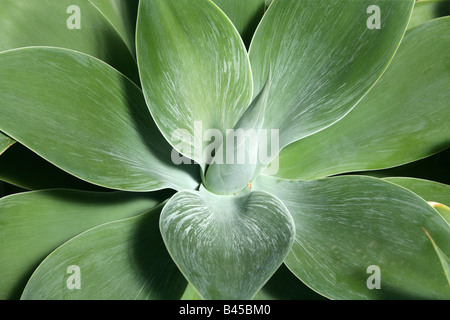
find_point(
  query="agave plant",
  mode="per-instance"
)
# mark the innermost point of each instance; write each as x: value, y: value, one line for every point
x: 114, y: 113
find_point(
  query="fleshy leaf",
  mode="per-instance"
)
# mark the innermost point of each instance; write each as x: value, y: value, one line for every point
x: 105, y: 136
x: 28, y: 23
x: 244, y: 144
x: 120, y: 260
x: 5, y: 142
x: 226, y: 246
x: 33, y: 224
x: 245, y: 15
x: 194, y: 70
x: 347, y: 227
x: 407, y: 107
x: 325, y: 57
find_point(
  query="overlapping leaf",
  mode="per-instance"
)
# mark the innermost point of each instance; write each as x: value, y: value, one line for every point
x: 346, y: 224
x: 194, y: 70
x: 46, y: 23
x: 33, y: 224
x: 402, y: 119
x: 245, y: 15
x: 124, y: 259
x: 324, y: 58
x: 122, y: 15
x: 428, y: 190
x: 428, y: 10
x: 85, y: 117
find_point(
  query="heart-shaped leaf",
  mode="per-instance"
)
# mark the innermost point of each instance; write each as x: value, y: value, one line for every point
x: 104, y: 135
x: 325, y: 56
x: 33, y: 224
x: 407, y: 107
x: 194, y: 70
x: 352, y: 230
x: 124, y: 259
x: 226, y: 246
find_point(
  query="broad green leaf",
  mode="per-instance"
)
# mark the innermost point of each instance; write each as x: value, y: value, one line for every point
x: 243, y: 144
x: 346, y: 225
x: 5, y: 142
x: 325, y: 57
x: 86, y: 118
x: 120, y: 260
x: 402, y: 119
x: 27, y: 23
x: 428, y: 190
x: 245, y: 15
x: 428, y: 10
x: 194, y: 70
x: 23, y: 168
x: 33, y: 224
x: 226, y: 246
x: 122, y: 14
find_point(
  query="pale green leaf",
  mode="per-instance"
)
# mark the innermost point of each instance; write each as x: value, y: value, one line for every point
x: 345, y: 225
x: 226, y: 246
x: 325, y: 58
x: 86, y: 118
x: 194, y: 70
x: 243, y: 144
x: 402, y: 119
x: 33, y: 224
x: 120, y: 260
